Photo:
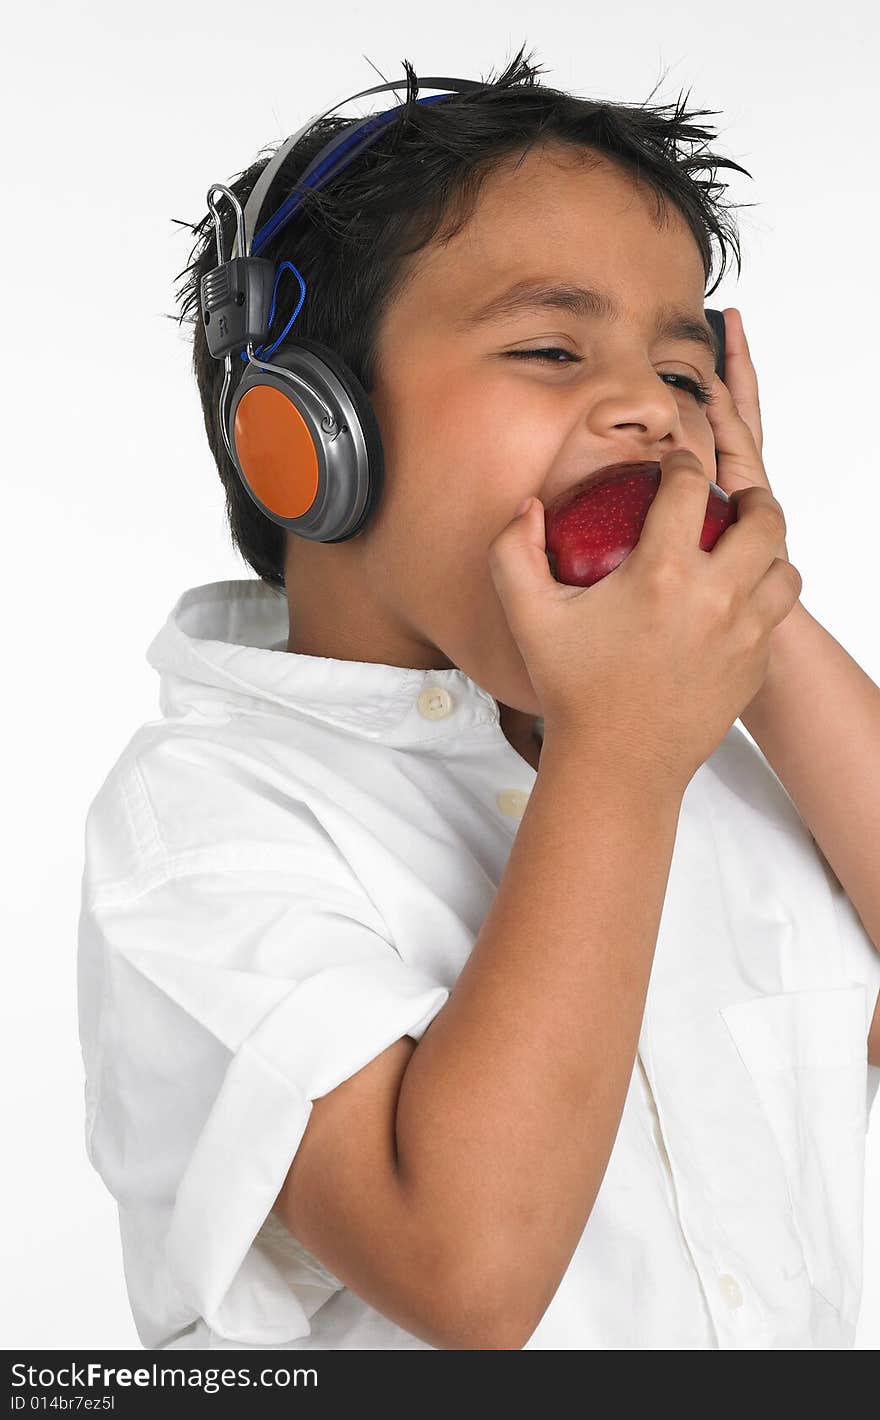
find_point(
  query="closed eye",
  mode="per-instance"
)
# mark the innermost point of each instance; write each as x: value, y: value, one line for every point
x: 695, y: 387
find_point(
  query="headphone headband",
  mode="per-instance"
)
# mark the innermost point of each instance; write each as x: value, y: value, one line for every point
x: 254, y: 242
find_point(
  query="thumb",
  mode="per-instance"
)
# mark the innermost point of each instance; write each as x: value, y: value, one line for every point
x: 518, y: 562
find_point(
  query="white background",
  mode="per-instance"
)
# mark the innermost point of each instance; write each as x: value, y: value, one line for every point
x: 117, y: 118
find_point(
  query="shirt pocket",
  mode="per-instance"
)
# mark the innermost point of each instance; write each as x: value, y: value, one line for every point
x: 806, y: 1055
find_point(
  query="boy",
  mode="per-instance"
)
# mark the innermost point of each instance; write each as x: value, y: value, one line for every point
x: 395, y: 1035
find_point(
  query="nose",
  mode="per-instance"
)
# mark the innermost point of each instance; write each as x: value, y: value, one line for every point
x: 634, y: 398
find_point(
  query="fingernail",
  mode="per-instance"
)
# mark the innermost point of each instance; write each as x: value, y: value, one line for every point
x: 523, y: 507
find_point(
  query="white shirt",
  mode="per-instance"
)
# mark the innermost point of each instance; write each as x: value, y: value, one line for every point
x: 287, y: 872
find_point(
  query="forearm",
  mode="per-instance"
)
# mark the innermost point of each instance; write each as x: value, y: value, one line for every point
x: 509, y: 1107
x: 816, y: 720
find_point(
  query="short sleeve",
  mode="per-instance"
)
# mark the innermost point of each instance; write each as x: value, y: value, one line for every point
x: 215, y: 1006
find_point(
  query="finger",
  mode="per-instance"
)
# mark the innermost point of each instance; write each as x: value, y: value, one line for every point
x: 677, y: 512
x: 740, y: 375
x: 738, y: 458
x: 751, y: 536
x: 518, y: 565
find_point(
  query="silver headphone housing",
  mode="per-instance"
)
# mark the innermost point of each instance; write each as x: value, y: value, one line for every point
x: 343, y: 462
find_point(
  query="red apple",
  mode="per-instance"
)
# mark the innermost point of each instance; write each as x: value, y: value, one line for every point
x: 596, y: 524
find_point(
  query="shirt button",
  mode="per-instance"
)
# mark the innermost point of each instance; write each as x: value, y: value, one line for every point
x: 435, y: 703
x: 731, y: 1290
x: 512, y: 802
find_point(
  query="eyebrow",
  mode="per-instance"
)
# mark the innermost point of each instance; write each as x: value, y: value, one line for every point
x: 672, y: 322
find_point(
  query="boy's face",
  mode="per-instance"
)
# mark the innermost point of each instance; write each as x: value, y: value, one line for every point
x: 469, y: 431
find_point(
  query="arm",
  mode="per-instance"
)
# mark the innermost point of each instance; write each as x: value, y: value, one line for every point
x: 816, y: 719
x: 448, y: 1183
x: 874, y: 1035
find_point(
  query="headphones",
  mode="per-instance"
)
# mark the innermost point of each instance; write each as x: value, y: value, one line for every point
x: 301, y: 433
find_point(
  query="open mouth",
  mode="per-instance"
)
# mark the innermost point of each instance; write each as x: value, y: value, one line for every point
x: 622, y: 469
x: 626, y: 466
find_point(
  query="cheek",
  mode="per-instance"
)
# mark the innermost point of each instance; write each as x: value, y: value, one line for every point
x: 468, y: 458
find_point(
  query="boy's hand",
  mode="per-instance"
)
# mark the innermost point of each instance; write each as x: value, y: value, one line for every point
x: 734, y: 413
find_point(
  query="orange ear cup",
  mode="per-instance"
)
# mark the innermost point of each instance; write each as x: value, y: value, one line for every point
x: 276, y: 451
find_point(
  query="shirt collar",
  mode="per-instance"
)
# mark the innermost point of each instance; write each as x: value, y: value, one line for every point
x: 225, y: 641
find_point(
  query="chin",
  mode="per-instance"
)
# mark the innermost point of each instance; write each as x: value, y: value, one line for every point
x: 495, y: 663
x: 511, y: 689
